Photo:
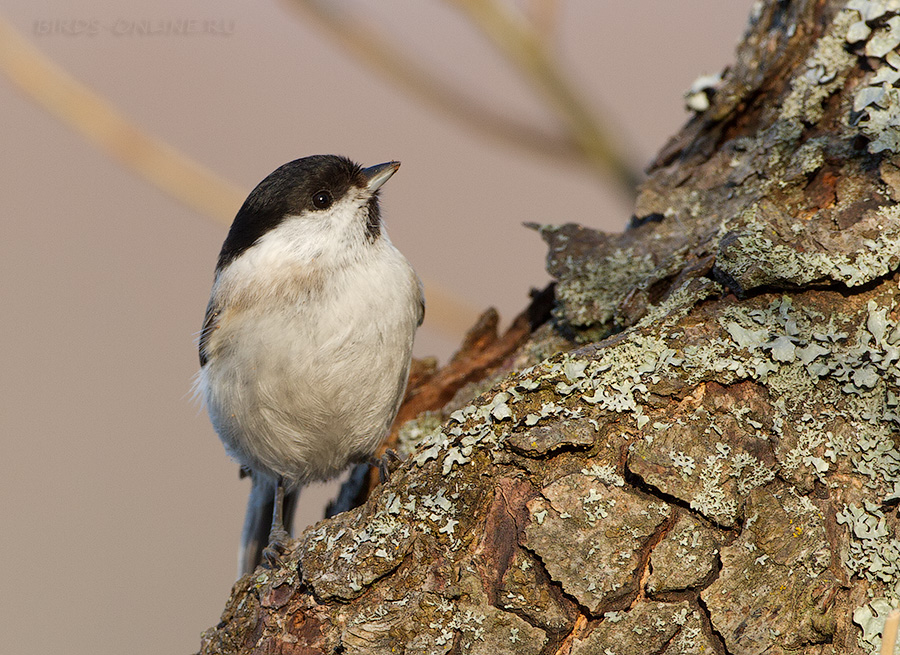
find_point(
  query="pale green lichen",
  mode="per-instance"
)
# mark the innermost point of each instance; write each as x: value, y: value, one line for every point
x: 682, y: 461
x: 826, y: 70
x: 612, y: 381
x: 605, y: 473
x: 874, y: 553
x: 861, y: 364
x: 712, y: 500
x: 877, y: 102
x: 848, y: 364
x: 474, y: 628
x: 414, y: 432
x: 762, y: 259
x: 864, y: 365
x: 596, y: 506
x: 870, y: 618
x: 596, y: 303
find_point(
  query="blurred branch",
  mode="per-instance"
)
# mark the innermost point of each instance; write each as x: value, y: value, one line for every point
x: 544, y: 16
x: 889, y: 633
x: 586, y: 141
x: 523, y: 45
x: 173, y: 173
x: 366, y: 44
x: 90, y: 115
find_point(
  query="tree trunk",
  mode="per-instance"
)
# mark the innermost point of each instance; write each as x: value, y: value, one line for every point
x: 719, y: 476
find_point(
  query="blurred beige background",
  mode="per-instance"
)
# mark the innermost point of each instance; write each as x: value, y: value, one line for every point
x: 120, y: 510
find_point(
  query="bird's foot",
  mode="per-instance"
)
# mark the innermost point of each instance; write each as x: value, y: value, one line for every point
x: 387, y: 464
x: 273, y: 554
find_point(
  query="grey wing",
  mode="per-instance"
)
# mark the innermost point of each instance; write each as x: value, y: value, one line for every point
x: 210, y: 323
x: 421, y: 290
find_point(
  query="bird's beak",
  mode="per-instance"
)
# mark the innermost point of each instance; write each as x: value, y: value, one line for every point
x: 379, y: 174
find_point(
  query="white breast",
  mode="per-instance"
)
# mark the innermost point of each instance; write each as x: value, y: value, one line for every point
x: 307, y: 376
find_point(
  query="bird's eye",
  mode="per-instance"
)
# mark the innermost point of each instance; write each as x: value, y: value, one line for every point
x: 322, y: 200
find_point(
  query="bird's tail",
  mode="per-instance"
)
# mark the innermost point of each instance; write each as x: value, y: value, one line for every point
x: 258, y: 522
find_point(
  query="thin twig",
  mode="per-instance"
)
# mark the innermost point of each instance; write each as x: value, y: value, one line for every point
x: 522, y: 44
x: 363, y: 41
x: 544, y: 16
x: 169, y: 170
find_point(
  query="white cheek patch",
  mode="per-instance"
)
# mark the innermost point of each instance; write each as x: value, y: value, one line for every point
x: 300, y: 248
x: 322, y: 235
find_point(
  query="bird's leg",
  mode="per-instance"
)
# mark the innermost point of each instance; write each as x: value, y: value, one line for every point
x: 278, y: 536
x: 386, y: 464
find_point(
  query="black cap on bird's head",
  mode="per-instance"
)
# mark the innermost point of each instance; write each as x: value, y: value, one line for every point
x: 309, y: 184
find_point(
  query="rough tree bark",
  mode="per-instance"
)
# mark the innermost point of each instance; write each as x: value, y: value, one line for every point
x: 721, y: 475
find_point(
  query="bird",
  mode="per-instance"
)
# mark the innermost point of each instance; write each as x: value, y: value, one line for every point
x: 307, y: 339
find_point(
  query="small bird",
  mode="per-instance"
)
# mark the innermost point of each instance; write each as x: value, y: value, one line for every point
x: 305, y: 349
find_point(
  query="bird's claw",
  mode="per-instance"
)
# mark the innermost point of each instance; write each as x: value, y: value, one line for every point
x: 387, y: 464
x: 273, y: 554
